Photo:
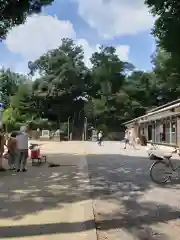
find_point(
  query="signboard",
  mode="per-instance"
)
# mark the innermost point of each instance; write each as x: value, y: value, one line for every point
x: 45, y: 133
x: 94, y: 135
x: 94, y: 132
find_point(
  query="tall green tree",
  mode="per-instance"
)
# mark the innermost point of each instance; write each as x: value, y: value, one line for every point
x: 109, y: 93
x: 167, y: 24
x: 142, y: 87
x: 64, y: 81
x: 108, y: 70
x: 108, y: 73
x: 167, y: 72
x: 9, y: 83
x: 21, y: 100
x: 167, y: 57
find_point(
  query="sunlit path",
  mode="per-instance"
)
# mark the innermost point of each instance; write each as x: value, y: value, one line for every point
x: 49, y: 203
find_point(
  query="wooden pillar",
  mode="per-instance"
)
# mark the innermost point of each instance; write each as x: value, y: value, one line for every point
x: 155, y: 129
x: 170, y: 130
x: 178, y: 131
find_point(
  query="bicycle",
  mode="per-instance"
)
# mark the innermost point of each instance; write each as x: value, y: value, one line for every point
x: 153, y: 147
x: 167, y: 170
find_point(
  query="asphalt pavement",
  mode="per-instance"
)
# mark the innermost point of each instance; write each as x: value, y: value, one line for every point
x: 127, y: 205
x: 96, y: 193
x: 48, y: 203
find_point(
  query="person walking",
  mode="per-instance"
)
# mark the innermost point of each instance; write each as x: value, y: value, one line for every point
x: 99, y: 138
x: 12, y: 151
x: 22, y: 149
x: 126, y: 139
x: 132, y: 140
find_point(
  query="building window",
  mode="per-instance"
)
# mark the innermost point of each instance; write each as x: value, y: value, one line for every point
x: 173, y: 127
x: 154, y: 132
x: 163, y: 133
x: 173, y: 134
x: 158, y: 130
x: 150, y: 132
x: 167, y: 132
x: 143, y: 131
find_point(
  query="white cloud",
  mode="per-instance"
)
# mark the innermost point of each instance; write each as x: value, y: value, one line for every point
x: 123, y: 52
x: 42, y: 33
x: 38, y: 35
x: 88, y: 50
x: 115, y: 17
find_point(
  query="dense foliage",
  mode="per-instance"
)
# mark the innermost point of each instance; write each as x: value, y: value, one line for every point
x: 108, y: 94
x: 14, y: 12
x: 167, y: 34
x: 167, y: 25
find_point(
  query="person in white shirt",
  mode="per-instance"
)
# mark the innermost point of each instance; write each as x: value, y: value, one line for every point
x: 99, y: 137
x: 132, y: 140
x: 126, y: 138
x: 22, y: 149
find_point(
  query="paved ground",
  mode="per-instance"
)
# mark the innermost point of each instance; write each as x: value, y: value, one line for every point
x: 127, y: 205
x: 48, y: 203
x: 55, y: 203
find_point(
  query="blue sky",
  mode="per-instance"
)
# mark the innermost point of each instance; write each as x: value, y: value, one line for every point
x: 123, y: 24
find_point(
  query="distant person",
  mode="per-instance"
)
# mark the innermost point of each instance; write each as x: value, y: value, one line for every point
x: 126, y: 139
x: 99, y: 137
x: 38, y: 133
x: 12, y: 150
x: 132, y: 140
x: 22, y: 149
x: 162, y: 137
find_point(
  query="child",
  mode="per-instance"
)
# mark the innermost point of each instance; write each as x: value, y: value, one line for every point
x: 11, y: 145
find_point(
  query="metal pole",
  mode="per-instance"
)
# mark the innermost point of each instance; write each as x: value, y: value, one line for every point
x: 68, y: 128
x: 85, y: 129
x: 170, y: 130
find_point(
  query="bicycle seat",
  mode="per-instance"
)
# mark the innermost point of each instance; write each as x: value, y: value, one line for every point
x: 160, y: 153
x: 167, y: 155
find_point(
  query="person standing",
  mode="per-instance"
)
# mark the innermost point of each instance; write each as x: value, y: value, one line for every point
x: 12, y: 150
x: 2, y: 144
x: 22, y: 149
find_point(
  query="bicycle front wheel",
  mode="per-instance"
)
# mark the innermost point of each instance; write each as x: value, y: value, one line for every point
x: 159, y: 172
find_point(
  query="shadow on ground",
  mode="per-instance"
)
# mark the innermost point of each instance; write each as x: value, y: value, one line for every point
x: 118, y: 180
x: 123, y: 182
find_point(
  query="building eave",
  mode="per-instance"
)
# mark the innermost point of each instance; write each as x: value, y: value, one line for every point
x: 153, y: 113
x: 165, y: 105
